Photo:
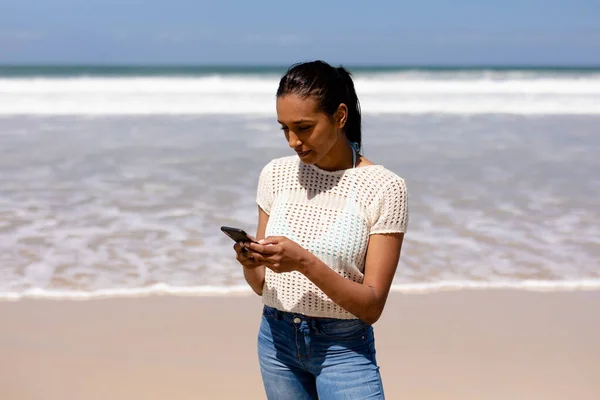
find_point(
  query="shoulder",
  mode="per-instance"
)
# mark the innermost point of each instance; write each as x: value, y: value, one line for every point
x: 388, y: 210
x: 281, y: 163
x: 278, y: 170
x: 379, y: 180
x: 387, y: 174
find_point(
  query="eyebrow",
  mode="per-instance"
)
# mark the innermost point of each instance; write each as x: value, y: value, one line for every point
x: 300, y: 121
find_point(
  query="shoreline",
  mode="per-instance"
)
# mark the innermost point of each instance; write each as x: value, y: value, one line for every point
x: 165, y: 290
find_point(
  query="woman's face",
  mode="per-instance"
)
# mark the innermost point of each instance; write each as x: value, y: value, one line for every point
x: 309, y: 131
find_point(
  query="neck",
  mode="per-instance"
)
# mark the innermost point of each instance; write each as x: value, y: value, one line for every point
x: 339, y: 157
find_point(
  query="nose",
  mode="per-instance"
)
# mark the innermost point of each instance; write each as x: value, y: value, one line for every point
x: 293, y: 140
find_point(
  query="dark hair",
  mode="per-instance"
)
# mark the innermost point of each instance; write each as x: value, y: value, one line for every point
x: 330, y: 86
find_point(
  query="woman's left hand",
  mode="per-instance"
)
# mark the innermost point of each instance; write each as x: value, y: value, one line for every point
x: 281, y: 254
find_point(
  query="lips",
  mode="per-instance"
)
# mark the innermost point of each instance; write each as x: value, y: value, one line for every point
x: 303, y: 154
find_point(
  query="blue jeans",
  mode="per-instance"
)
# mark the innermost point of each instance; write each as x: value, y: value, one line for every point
x: 317, y: 358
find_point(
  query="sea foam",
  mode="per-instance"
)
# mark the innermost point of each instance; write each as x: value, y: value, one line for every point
x: 391, y: 92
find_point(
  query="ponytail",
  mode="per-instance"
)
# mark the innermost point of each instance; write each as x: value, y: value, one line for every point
x: 330, y: 86
x: 353, y: 124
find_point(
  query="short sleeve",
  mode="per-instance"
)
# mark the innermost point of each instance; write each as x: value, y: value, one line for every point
x: 391, y: 208
x: 264, y: 192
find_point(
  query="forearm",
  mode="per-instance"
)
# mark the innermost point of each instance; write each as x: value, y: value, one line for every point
x: 356, y: 298
x: 255, y: 278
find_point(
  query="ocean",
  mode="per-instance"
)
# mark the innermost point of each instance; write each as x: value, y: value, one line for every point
x: 114, y: 181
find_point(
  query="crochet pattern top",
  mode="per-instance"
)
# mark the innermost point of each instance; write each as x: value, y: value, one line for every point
x: 331, y: 214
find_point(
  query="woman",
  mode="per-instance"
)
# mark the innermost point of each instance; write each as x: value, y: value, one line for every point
x: 331, y: 225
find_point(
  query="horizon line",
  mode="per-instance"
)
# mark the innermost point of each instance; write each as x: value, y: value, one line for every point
x: 282, y: 65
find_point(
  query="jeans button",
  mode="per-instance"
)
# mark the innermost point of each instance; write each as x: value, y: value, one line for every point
x: 297, y: 320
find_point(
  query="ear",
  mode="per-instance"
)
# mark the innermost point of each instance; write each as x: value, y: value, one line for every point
x: 341, y: 116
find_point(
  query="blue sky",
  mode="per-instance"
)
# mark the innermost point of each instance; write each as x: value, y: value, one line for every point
x: 424, y: 32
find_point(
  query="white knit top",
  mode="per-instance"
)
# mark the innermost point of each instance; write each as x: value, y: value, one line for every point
x: 331, y: 214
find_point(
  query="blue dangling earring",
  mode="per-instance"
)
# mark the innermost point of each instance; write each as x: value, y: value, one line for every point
x: 356, y: 149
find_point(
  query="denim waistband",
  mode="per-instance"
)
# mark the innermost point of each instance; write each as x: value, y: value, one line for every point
x: 285, y: 315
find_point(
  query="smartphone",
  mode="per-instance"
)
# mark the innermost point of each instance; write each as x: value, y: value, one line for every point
x: 238, y: 235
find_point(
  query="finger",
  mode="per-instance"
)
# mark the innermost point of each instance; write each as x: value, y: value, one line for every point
x: 267, y: 261
x: 242, y: 249
x: 238, y: 246
x: 267, y: 249
x: 258, y: 257
x: 271, y: 240
x: 247, y: 260
x: 250, y: 254
x: 243, y: 254
x: 264, y: 259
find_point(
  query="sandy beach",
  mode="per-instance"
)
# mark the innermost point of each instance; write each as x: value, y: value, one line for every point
x: 496, y: 344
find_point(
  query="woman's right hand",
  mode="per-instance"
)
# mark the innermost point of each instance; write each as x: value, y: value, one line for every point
x: 244, y: 256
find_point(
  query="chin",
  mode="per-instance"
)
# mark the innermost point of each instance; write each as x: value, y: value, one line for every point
x: 308, y: 159
x: 307, y: 162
